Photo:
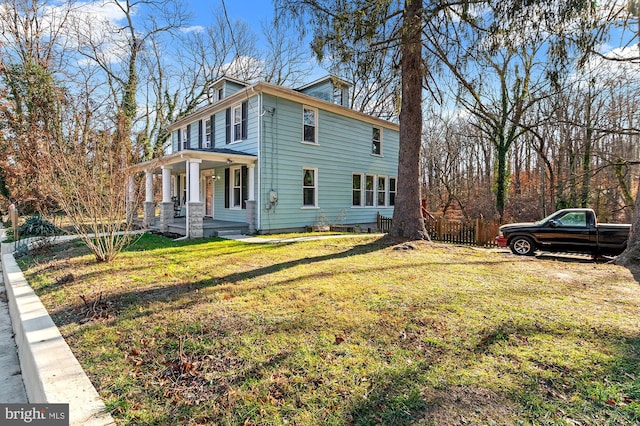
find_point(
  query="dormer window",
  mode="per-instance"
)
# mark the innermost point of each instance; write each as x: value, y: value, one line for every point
x: 220, y: 93
x: 338, y: 96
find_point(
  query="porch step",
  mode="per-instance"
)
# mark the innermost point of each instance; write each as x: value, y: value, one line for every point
x: 225, y: 232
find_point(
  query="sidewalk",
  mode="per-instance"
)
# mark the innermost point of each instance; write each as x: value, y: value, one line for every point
x: 11, y: 384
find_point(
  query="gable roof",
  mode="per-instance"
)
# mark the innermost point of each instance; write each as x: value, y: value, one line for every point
x: 282, y: 92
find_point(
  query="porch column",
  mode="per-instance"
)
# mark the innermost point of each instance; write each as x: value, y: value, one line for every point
x: 251, y: 202
x: 194, y: 180
x: 166, y: 206
x: 166, y: 184
x: 252, y: 181
x: 149, y: 206
x: 195, y: 208
x: 130, y: 200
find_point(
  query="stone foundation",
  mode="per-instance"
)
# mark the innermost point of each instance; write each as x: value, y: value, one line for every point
x: 251, y: 216
x: 195, y: 220
x: 149, y: 214
x: 166, y: 216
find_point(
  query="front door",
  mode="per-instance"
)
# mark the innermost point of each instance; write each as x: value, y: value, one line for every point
x: 208, y: 191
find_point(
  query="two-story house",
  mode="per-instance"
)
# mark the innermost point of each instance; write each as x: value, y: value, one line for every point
x: 269, y: 159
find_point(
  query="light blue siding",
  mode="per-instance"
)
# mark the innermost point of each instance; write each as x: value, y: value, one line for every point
x: 230, y: 88
x: 344, y: 148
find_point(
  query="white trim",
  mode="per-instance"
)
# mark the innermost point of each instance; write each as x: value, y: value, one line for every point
x: 207, y: 143
x: 374, y: 190
x: 232, y: 187
x: 234, y: 124
x: 361, y: 189
x: 315, y: 188
x: 315, y: 125
x: 385, y: 191
x: 381, y: 153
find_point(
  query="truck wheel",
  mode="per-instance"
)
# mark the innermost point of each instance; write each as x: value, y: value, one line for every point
x: 522, y: 246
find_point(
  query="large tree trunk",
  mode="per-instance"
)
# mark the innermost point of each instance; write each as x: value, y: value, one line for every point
x: 407, y: 216
x: 631, y: 256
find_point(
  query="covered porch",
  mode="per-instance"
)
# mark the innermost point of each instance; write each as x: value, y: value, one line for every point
x: 187, y: 205
x: 210, y: 227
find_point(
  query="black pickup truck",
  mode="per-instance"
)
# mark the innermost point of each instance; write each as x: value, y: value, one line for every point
x: 568, y: 230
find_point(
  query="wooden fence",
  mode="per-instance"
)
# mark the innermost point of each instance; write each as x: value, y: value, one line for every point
x: 478, y: 232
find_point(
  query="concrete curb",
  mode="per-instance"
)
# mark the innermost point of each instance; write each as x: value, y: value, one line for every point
x: 50, y: 371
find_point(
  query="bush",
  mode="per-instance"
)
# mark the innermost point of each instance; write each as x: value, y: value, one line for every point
x: 36, y: 226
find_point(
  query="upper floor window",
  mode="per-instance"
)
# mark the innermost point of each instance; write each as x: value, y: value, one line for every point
x: 338, y: 96
x: 236, y: 123
x: 376, y: 141
x: 220, y: 93
x: 310, y: 124
x: 185, y: 137
x: 309, y: 187
x: 207, y: 133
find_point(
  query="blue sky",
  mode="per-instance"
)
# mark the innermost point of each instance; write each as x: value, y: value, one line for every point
x: 254, y: 12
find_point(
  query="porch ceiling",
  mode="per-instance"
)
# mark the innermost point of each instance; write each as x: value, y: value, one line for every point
x: 210, y: 159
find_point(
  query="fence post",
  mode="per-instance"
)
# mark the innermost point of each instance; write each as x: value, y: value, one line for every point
x: 13, y: 215
x: 479, y: 232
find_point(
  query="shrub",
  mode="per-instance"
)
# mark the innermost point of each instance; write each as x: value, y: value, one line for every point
x: 36, y: 226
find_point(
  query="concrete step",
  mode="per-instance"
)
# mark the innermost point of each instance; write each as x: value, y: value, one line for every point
x: 225, y: 232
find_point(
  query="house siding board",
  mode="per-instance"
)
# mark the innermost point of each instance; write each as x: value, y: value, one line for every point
x: 250, y: 144
x: 322, y: 91
x: 344, y: 148
x: 230, y: 88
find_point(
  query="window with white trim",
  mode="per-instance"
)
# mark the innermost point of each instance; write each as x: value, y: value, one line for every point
x: 369, y: 190
x: 185, y: 138
x: 357, y: 190
x: 236, y: 187
x: 382, y: 191
x: 393, y: 183
x: 376, y: 141
x: 310, y: 125
x: 309, y: 187
x: 207, y: 133
x: 236, y: 114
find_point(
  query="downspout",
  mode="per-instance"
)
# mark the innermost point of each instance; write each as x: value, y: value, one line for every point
x: 187, y: 198
x: 259, y: 169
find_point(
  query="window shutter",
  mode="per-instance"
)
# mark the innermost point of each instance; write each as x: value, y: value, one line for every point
x: 227, y: 177
x: 245, y: 186
x: 244, y: 120
x: 228, y: 125
x: 200, y: 134
x: 180, y: 139
x: 174, y: 141
x: 188, y: 136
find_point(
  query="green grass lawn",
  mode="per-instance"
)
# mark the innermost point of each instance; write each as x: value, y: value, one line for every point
x: 347, y: 331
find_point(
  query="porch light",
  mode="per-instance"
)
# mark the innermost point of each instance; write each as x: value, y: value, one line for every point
x: 229, y: 161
